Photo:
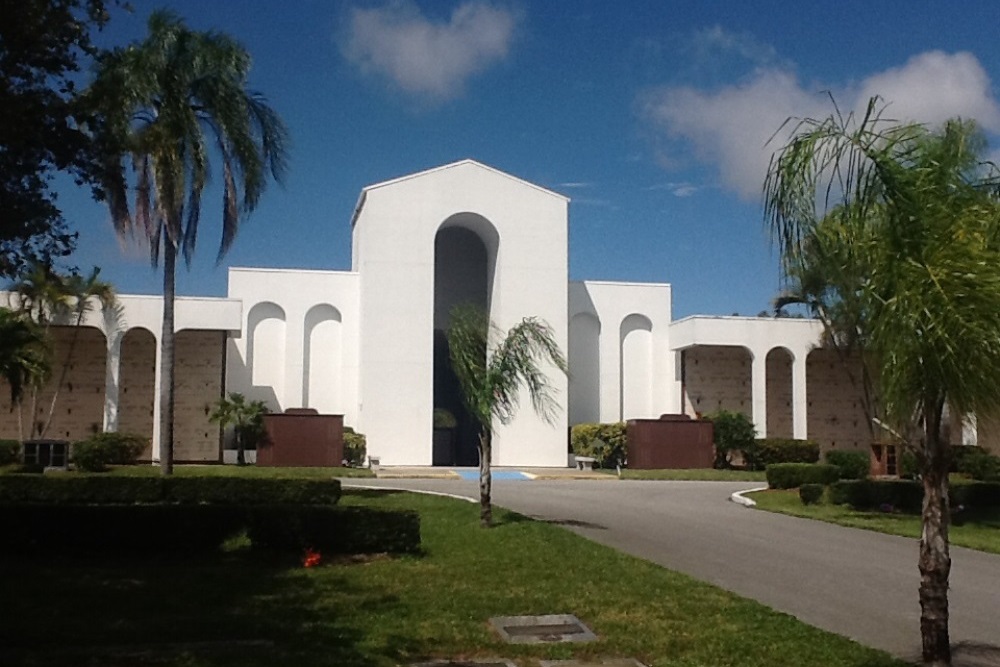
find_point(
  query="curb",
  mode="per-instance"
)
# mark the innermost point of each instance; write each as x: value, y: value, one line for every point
x: 740, y: 499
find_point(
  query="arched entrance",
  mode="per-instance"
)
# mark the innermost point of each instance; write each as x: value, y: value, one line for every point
x: 464, y: 261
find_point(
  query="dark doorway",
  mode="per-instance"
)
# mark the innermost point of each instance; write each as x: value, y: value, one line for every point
x: 461, y: 276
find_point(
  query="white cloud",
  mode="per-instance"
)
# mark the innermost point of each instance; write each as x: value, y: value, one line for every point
x: 710, y: 42
x: 425, y: 57
x: 729, y: 127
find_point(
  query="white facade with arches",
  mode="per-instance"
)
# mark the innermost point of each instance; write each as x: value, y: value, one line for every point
x: 369, y: 343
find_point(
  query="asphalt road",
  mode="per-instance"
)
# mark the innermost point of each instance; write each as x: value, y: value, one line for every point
x: 853, y: 582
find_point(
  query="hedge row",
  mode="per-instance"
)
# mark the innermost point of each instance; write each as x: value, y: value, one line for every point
x: 907, y: 496
x: 853, y: 464
x: 194, y: 529
x: 103, y: 490
x: 604, y: 442
x: 794, y: 475
x: 768, y: 451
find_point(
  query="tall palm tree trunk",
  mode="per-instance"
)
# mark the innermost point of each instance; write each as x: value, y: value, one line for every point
x: 935, y: 560
x: 485, y: 478
x: 167, y: 360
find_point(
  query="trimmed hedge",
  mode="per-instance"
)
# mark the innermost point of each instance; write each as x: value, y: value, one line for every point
x: 794, y: 475
x: 348, y: 530
x: 768, y: 451
x: 604, y: 442
x: 203, y: 528
x: 10, y: 452
x: 980, y: 466
x: 902, y: 495
x: 101, y: 450
x: 810, y: 494
x: 976, y: 495
x: 853, y: 464
x: 101, y: 490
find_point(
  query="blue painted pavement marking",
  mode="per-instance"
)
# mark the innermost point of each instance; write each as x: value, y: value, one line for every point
x: 497, y: 474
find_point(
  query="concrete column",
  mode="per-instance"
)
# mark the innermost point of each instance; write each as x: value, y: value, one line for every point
x: 157, y: 392
x: 758, y: 391
x: 970, y: 429
x: 800, y: 401
x: 112, y: 377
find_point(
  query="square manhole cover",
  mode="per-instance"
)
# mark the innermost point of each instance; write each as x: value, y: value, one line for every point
x: 546, y: 629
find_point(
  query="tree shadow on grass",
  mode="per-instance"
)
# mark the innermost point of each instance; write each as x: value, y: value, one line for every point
x: 237, y: 609
x: 508, y: 517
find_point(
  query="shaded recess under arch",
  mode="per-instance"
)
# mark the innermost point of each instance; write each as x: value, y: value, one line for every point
x: 266, y: 326
x: 137, y: 383
x: 779, y: 394
x: 636, y: 354
x: 585, y: 362
x: 322, y: 359
x: 465, y: 252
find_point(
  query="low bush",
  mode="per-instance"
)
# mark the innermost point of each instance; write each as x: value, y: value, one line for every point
x: 980, y: 466
x: 886, y: 495
x: 960, y: 452
x: 355, y: 447
x: 101, y: 450
x: 102, y: 490
x: 853, y: 464
x: 907, y: 464
x: 976, y: 495
x: 810, y: 494
x: 606, y: 443
x: 119, y: 528
x: 769, y: 451
x: 732, y: 432
x: 10, y: 452
x: 794, y: 475
x: 348, y: 530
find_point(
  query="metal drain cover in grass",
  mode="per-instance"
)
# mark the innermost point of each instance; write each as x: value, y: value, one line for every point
x: 547, y: 629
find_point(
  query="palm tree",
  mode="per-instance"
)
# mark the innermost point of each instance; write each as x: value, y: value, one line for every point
x: 24, y: 354
x: 491, y: 370
x: 921, y: 225
x: 246, y: 418
x: 165, y: 106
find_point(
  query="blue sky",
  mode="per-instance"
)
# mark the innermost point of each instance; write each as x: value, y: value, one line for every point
x: 651, y: 115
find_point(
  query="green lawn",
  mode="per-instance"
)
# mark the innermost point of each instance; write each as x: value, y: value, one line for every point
x: 245, y: 471
x: 242, y: 609
x: 694, y: 474
x: 980, y: 531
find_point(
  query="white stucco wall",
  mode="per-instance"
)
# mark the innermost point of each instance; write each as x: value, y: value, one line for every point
x: 299, y: 342
x: 524, y: 228
x: 622, y: 366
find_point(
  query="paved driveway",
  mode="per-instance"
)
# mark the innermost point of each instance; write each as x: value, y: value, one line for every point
x: 853, y: 582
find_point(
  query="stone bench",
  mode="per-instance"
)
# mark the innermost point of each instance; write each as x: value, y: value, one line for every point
x: 585, y: 463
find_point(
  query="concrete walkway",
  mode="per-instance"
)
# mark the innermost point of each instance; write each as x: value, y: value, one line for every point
x: 856, y: 583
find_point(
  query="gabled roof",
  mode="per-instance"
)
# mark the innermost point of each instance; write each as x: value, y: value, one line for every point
x: 453, y: 165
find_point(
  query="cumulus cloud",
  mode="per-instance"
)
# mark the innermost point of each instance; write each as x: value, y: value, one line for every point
x: 710, y: 42
x: 426, y: 57
x: 729, y: 127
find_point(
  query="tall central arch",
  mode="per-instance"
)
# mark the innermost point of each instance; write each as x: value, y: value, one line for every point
x: 465, y: 252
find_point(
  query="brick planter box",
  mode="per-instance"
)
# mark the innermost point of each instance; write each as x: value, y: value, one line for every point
x: 672, y: 441
x: 302, y: 438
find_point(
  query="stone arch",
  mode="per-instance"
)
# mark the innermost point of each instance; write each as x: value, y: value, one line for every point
x: 465, y: 260
x: 322, y: 359
x: 636, y: 371
x: 779, y: 393
x: 266, y: 331
x: 585, y: 368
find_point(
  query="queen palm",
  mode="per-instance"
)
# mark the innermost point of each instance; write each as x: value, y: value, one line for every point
x: 24, y: 354
x: 919, y: 234
x: 166, y: 106
x: 492, y: 368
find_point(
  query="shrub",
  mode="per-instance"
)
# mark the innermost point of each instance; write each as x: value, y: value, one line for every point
x: 101, y: 490
x: 119, y: 528
x: 784, y: 450
x: 733, y: 432
x: 793, y: 475
x: 100, y: 450
x: 606, y: 443
x: 907, y: 464
x: 980, y: 466
x: 976, y: 495
x: 960, y: 452
x: 867, y: 494
x: 853, y: 464
x: 810, y: 494
x: 10, y: 452
x: 334, y: 529
x: 355, y: 448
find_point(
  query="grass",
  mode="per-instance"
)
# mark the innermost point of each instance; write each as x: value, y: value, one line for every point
x: 385, y: 611
x: 245, y: 471
x: 694, y: 474
x: 979, y: 531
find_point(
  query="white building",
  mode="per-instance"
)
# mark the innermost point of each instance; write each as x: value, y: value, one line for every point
x: 369, y: 343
